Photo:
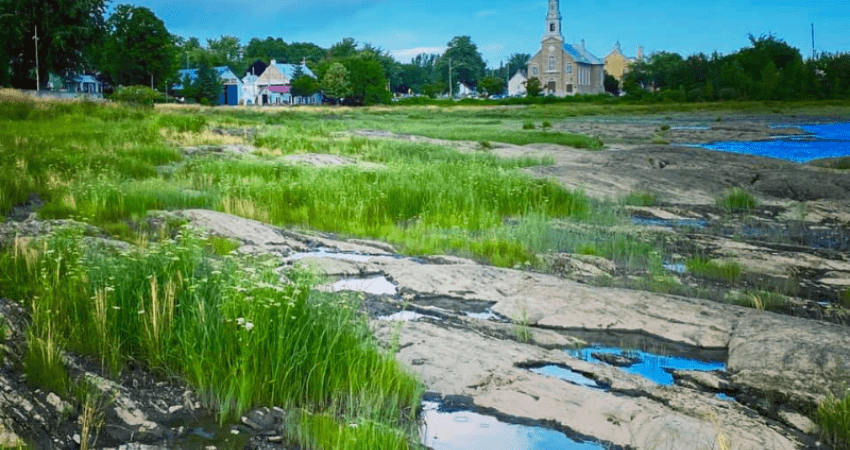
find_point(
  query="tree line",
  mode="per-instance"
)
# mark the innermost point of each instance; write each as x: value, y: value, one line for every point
x: 768, y: 69
x: 133, y: 47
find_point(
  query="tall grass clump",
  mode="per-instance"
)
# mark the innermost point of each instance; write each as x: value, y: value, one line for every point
x: 639, y: 198
x: 736, y: 200
x: 181, y: 311
x: 833, y: 417
x: 729, y: 272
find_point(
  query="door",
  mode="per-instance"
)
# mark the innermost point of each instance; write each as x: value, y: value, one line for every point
x: 231, y: 96
x: 551, y: 87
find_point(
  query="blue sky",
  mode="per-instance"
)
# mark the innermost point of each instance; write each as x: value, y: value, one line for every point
x: 500, y: 28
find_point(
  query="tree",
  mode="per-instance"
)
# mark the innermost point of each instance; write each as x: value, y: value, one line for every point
x: 304, y: 85
x: 68, y: 31
x: 227, y: 51
x: 207, y: 86
x: 465, y: 62
x: 612, y: 85
x: 533, y: 88
x: 493, y: 85
x: 517, y: 61
x: 368, y: 83
x: 335, y: 82
x: 139, y: 48
x: 343, y: 49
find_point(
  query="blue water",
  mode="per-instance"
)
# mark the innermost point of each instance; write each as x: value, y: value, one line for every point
x: 824, y: 141
x: 648, y: 365
x: 465, y: 430
x: 569, y: 376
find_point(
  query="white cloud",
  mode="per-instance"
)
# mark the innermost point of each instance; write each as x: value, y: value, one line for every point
x: 486, y: 13
x: 405, y: 55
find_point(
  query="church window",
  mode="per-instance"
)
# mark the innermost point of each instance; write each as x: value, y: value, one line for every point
x: 551, y: 63
x: 534, y: 70
x: 551, y: 27
x: 569, y: 68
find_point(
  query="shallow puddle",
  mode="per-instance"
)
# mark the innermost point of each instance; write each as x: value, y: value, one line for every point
x: 568, y: 375
x: 670, y: 223
x: 652, y: 366
x: 376, y: 285
x: 465, y: 430
x: 403, y: 316
x: 487, y: 314
x: 328, y: 253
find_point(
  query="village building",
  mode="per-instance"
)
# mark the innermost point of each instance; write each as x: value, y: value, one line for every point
x: 617, y: 64
x: 273, y: 86
x: 516, y: 85
x: 565, y: 69
x: 75, y: 85
x: 231, y: 92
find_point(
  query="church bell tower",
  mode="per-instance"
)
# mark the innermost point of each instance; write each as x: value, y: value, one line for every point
x: 553, y: 21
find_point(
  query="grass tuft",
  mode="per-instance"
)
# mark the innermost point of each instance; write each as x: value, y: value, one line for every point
x: 528, y: 125
x: 834, y: 420
x: 729, y: 272
x: 639, y: 198
x: 736, y: 200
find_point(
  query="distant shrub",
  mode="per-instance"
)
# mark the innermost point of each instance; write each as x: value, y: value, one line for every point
x: 665, y: 127
x: 528, y: 126
x: 136, y: 95
x: 485, y: 145
x: 547, y: 124
x: 834, y: 420
x: 736, y: 200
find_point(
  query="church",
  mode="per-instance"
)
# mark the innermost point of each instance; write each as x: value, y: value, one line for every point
x: 565, y: 69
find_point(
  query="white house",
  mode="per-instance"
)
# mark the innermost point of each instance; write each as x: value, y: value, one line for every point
x: 465, y: 91
x: 273, y: 85
x: 516, y: 85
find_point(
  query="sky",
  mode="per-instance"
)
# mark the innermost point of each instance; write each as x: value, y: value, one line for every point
x: 501, y: 27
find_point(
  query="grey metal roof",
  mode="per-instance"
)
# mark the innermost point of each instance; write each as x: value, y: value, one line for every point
x: 581, y: 55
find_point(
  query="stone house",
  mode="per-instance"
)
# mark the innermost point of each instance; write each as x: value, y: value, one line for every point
x: 565, y: 69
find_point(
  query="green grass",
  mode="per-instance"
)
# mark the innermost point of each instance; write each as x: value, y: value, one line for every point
x: 833, y: 417
x: 639, y: 198
x: 729, y: 272
x: 761, y: 300
x: 844, y: 299
x: 180, y: 311
x: 736, y: 200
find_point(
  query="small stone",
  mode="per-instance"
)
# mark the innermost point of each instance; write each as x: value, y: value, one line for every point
x: 77, y: 438
x: 174, y: 409
x: 275, y: 439
x: 57, y: 403
x: 234, y: 431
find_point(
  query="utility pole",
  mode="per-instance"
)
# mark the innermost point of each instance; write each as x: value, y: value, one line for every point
x: 451, y: 94
x: 813, y: 41
x: 37, y: 79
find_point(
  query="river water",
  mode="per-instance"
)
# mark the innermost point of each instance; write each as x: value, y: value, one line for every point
x: 822, y: 141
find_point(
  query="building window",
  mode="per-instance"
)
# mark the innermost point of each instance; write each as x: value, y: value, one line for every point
x: 551, y: 63
x: 569, y: 68
x: 551, y: 27
x: 534, y: 70
x: 569, y: 89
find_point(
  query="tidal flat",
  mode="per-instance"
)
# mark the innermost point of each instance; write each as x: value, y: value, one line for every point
x: 169, y: 267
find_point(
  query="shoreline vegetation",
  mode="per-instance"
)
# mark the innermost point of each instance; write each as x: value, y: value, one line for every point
x: 184, y: 304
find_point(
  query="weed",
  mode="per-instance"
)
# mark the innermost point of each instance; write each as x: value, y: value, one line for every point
x: 93, y: 404
x: 3, y: 333
x: 729, y: 272
x: 485, y: 145
x: 521, y: 329
x: 221, y: 246
x: 736, y: 200
x: 761, y: 300
x: 639, y: 198
x: 665, y: 128
x: 844, y: 299
x: 657, y: 139
x: 528, y: 126
x: 834, y: 419
x: 546, y: 125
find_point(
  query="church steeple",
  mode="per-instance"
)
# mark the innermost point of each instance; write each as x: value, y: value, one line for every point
x: 553, y: 21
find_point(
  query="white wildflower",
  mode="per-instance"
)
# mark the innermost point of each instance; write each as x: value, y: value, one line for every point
x: 249, y: 326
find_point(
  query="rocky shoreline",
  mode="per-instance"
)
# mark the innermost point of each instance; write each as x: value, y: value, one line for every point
x: 473, y: 332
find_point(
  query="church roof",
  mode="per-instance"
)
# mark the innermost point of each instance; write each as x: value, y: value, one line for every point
x: 581, y: 55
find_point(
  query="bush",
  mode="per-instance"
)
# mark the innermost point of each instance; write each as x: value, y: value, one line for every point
x: 640, y: 198
x: 834, y: 420
x: 528, y: 126
x: 136, y: 95
x: 736, y: 200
